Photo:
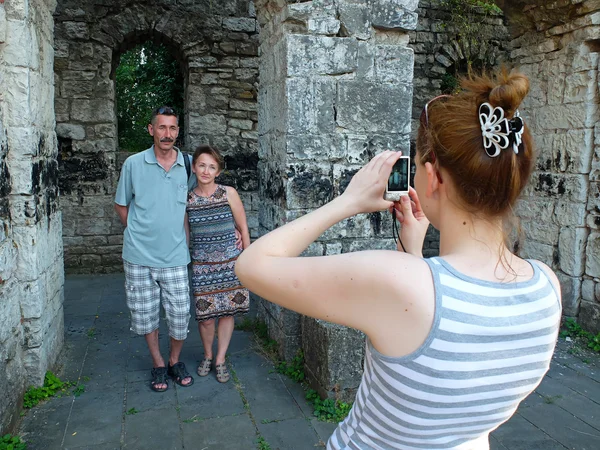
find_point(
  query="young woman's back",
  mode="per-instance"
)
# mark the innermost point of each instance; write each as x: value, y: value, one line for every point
x: 455, y: 342
x: 489, y: 347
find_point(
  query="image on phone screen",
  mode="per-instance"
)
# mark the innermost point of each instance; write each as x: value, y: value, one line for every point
x: 398, y: 180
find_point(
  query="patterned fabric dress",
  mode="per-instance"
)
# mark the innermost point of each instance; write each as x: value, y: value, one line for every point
x: 217, y: 291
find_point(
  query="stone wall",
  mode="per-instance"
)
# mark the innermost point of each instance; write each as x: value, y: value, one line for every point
x: 31, y: 272
x: 216, y: 43
x: 328, y: 72
x: 561, y: 209
x: 441, y: 54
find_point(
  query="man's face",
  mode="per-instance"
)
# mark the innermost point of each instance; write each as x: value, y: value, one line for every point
x: 164, y: 130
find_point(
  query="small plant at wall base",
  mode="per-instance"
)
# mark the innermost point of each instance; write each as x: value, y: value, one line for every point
x: 52, y: 385
x: 573, y: 330
x: 327, y: 410
x: 9, y: 442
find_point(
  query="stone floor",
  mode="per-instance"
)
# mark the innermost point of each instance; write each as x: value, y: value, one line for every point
x: 258, y: 407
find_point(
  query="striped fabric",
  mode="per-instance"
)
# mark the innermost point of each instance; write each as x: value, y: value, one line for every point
x: 489, y: 347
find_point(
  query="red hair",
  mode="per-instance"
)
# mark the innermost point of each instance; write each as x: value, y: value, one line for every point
x: 485, y: 185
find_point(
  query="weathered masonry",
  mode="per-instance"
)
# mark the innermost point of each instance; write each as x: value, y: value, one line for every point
x: 292, y: 138
x: 216, y: 45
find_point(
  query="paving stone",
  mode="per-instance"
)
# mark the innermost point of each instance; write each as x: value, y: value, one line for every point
x: 292, y: 434
x: 95, y: 418
x: 519, y: 434
x: 323, y: 429
x: 268, y: 397
x: 231, y: 433
x: 44, y: 426
x: 140, y: 396
x: 208, y: 398
x: 575, y: 380
x: 157, y: 428
x: 562, y: 426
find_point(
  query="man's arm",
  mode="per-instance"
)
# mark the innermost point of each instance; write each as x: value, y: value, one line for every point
x: 122, y: 212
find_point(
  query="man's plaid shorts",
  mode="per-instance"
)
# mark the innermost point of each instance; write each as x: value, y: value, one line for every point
x: 144, y: 287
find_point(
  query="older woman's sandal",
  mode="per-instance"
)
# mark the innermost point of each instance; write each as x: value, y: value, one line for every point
x: 179, y: 373
x: 204, y: 367
x: 222, y: 373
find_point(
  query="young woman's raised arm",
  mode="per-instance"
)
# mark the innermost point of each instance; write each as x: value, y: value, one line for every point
x: 369, y: 291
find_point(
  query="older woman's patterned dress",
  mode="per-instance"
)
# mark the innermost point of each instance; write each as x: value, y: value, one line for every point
x: 217, y: 291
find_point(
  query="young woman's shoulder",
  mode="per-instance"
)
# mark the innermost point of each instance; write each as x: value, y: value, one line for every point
x: 550, y: 274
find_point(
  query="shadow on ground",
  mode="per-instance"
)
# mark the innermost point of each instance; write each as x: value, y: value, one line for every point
x: 258, y: 409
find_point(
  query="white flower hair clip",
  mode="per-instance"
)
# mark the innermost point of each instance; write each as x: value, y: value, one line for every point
x: 499, y: 132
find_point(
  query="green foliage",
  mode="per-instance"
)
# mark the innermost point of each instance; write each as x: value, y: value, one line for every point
x: 262, y: 444
x: 52, y: 385
x: 573, y: 330
x: 449, y: 84
x: 261, y: 333
x: 131, y: 411
x: 147, y: 77
x: 8, y: 442
x: 293, y: 369
x: 327, y: 410
x: 79, y: 389
x: 467, y: 19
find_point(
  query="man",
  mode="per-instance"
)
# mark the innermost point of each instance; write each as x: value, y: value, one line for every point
x: 150, y: 201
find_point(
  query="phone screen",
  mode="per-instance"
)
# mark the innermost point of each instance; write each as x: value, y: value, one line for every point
x: 398, y: 180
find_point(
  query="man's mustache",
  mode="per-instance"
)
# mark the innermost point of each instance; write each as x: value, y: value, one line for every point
x: 166, y: 140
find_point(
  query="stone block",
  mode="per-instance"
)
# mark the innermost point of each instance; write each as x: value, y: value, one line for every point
x: 243, y: 24
x: 394, y: 14
x: 315, y: 147
x: 587, y: 290
x: 310, y: 105
x: 589, y: 317
x: 2, y: 26
x: 355, y: 18
x: 394, y: 64
x: 366, y: 107
x: 16, y: 95
x: 333, y: 356
x: 17, y: 9
x: 592, y: 262
x: 76, y: 30
x: 571, y: 293
x: 536, y: 250
x: 19, y: 46
x: 240, y: 124
x: 98, y: 111
x: 320, y: 55
x: 243, y: 105
x: 70, y: 131
x: 208, y: 123
x: 571, y: 250
x: 326, y: 25
x: 33, y: 298
x: 567, y: 213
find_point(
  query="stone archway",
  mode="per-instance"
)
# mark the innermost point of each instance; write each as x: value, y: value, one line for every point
x: 216, y: 45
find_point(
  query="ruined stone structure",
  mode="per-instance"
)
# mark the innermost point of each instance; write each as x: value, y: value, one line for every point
x: 216, y: 44
x: 328, y: 72
x: 561, y: 209
x: 31, y: 267
x: 336, y: 86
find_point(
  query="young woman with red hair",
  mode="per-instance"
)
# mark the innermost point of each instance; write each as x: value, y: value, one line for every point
x: 455, y: 342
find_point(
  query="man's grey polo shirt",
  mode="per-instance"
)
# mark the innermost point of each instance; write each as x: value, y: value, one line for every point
x: 155, y: 233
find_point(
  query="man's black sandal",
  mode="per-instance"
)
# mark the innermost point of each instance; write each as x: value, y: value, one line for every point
x: 179, y: 373
x: 159, y: 376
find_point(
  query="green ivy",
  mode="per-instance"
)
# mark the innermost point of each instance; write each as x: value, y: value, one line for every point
x: 327, y: 410
x: 293, y: 369
x: 466, y: 19
x: 9, y: 442
x: 52, y: 385
x: 573, y: 330
x: 147, y: 77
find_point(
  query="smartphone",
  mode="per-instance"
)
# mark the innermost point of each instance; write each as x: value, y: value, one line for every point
x: 399, y: 180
